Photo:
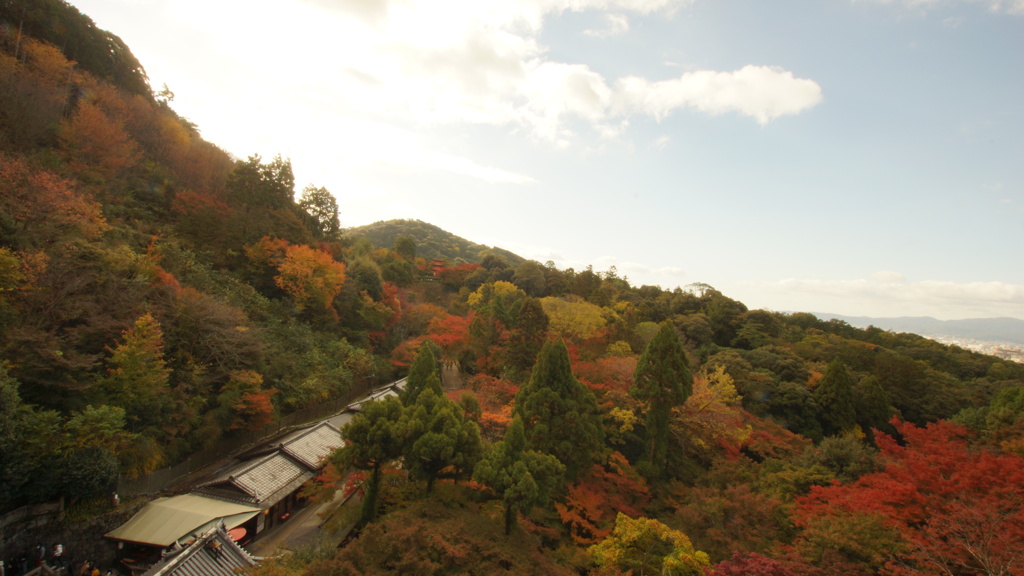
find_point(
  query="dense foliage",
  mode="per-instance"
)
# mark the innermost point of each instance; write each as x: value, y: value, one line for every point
x: 158, y: 296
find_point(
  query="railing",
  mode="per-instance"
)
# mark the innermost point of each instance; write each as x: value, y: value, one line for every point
x: 160, y: 479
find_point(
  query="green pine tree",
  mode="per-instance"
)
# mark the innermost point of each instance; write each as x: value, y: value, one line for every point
x: 528, y: 335
x: 439, y: 437
x: 522, y: 478
x: 560, y: 414
x: 873, y: 406
x: 663, y: 381
x: 373, y: 438
x: 423, y: 374
x: 835, y: 399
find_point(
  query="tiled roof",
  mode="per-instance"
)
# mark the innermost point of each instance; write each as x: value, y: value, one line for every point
x: 312, y: 445
x: 379, y: 393
x: 263, y: 481
x: 214, y: 554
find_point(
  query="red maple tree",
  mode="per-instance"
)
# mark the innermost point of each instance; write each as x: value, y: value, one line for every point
x: 956, y: 509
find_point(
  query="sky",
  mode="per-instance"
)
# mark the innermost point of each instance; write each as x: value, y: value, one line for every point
x: 856, y: 157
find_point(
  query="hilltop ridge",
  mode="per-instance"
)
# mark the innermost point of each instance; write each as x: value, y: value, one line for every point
x: 432, y: 242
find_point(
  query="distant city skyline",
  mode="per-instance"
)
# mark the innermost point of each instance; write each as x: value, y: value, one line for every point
x: 858, y: 157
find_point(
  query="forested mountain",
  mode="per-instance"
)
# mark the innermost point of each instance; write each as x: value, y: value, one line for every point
x: 431, y: 242
x: 158, y: 296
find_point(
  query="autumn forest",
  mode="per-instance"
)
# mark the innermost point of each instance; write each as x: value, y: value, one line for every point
x: 159, y: 296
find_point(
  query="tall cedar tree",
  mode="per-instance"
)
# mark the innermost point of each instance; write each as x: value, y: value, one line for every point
x: 372, y: 439
x: 423, y: 374
x: 873, y: 406
x: 440, y: 438
x: 663, y: 380
x: 522, y: 478
x: 835, y: 397
x: 529, y: 334
x: 560, y: 414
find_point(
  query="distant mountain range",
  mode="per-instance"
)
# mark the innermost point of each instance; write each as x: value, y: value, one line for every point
x: 992, y: 330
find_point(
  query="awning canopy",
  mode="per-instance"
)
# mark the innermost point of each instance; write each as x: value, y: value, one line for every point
x: 165, y: 521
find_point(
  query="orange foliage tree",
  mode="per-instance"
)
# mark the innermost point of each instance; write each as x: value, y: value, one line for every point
x: 451, y: 334
x: 45, y: 207
x: 97, y: 146
x: 610, y: 376
x: 495, y: 396
x: 310, y: 277
x: 591, y: 504
x: 244, y: 404
x: 33, y: 92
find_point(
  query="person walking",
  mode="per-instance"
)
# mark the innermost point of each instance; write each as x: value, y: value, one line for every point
x: 58, y: 556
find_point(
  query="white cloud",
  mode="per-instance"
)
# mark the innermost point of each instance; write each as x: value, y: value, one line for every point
x: 762, y: 92
x: 940, y: 299
x: 479, y: 61
x: 361, y: 77
x: 615, y: 25
x: 1015, y: 7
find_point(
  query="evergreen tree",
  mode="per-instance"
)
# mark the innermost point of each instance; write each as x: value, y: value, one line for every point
x: 373, y: 438
x: 835, y: 399
x: 269, y: 185
x: 663, y: 380
x: 528, y: 335
x: 440, y: 437
x: 26, y: 443
x: 873, y: 406
x: 559, y: 413
x: 423, y: 374
x: 522, y: 478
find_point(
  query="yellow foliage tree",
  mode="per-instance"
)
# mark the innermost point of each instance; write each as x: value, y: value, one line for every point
x: 495, y: 290
x: 645, y: 546
x: 711, y: 415
x: 572, y: 318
